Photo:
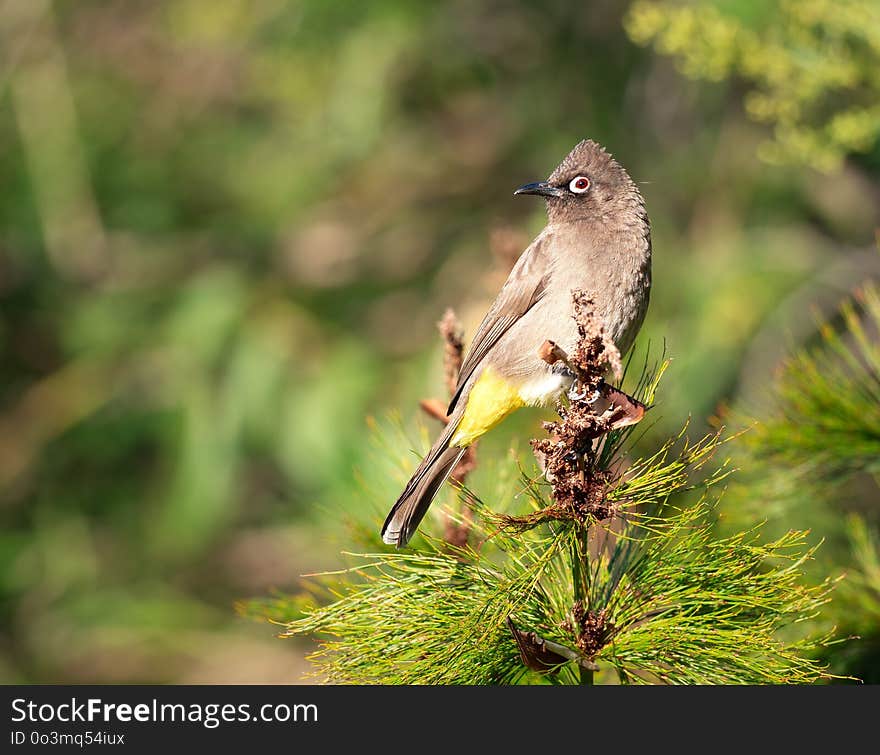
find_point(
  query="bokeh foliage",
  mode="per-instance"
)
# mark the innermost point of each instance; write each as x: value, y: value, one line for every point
x: 812, y: 66
x: 226, y: 231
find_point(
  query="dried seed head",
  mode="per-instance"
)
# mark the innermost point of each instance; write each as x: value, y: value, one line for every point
x: 592, y: 629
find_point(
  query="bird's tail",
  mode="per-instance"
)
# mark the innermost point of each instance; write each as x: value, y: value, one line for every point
x: 405, y: 515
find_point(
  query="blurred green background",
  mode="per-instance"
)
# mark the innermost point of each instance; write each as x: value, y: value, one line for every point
x: 227, y: 230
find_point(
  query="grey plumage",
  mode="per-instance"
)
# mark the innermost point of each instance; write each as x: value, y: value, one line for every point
x: 597, y: 239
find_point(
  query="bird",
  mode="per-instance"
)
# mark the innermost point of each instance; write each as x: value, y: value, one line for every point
x: 597, y: 239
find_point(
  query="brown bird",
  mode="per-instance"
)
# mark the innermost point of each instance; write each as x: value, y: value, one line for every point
x: 598, y: 239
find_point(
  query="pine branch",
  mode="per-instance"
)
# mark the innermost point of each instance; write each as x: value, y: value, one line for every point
x: 647, y: 594
x: 677, y: 606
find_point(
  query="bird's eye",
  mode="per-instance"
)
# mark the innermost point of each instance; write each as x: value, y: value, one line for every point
x: 579, y: 185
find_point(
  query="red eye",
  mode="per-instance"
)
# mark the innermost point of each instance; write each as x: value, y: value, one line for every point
x: 579, y: 185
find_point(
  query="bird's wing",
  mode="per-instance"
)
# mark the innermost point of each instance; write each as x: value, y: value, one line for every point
x: 523, y: 288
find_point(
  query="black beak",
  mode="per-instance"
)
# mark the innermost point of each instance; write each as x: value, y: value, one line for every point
x: 540, y: 187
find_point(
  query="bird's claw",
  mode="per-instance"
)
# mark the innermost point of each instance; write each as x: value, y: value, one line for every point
x: 575, y: 395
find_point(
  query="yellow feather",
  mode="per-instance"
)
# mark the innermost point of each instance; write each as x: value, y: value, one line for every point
x: 491, y: 399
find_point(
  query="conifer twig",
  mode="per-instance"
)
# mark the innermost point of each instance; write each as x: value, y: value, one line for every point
x: 455, y: 533
x: 571, y: 463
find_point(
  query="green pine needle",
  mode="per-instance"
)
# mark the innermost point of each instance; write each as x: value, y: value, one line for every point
x: 828, y: 425
x: 678, y: 605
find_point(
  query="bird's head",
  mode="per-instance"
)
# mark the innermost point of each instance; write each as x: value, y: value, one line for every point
x: 589, y: 184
